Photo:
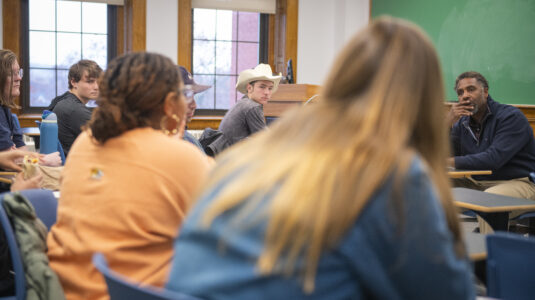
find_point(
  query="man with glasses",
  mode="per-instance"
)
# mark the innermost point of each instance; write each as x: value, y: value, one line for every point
x: 190, y: 89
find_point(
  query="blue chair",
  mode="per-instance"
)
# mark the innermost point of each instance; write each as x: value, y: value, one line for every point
x: 120, y: 288
x: 16, y: 259
x: 510, y: 266
x: 45, y: 204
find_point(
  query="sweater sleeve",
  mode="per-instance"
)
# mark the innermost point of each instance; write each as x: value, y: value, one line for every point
x: 455, y: 138
x: 17, y: 133
x: 512, y: 134
x: 255, y: 119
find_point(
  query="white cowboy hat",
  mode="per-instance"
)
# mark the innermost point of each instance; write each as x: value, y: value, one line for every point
x: 260, y: 72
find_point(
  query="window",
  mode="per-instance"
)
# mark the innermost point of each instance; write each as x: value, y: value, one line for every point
x: 59, y: 34
x: 225, y: 43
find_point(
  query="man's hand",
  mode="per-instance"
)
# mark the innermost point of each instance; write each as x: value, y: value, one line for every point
x: 458, y: 110
x: 451, y: 162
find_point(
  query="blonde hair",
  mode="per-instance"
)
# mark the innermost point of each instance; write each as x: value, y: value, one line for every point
x: 381, y: 104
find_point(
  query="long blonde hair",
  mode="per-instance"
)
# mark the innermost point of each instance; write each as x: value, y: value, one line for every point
x: 381, y: 104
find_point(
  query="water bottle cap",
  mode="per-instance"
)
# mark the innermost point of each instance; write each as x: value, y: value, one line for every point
x: 51, y: 116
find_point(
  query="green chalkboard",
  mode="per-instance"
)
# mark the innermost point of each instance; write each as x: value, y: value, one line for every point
x: 493, y: 37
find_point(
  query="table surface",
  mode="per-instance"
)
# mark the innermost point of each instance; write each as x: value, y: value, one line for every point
x: 31, y: 131
x: 456, y: 173
x: 489, y: 203
x: 476, y: 245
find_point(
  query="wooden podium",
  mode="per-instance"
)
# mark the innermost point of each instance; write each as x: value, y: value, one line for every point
x: 288, y: 96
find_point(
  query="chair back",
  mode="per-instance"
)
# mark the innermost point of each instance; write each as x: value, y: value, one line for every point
x: 16, y: 259
x: 510, y: 266
x: 45, y: 204
x: 121, y: 288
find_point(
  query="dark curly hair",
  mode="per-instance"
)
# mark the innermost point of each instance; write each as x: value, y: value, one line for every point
x: 472, y: 74
x: 131, y: 93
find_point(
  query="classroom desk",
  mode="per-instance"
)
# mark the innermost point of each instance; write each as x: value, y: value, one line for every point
x: 455, y: 173
x: 31, y: 131
x: 492, y: 208
x: 476, y: 245
x: 34, y: 133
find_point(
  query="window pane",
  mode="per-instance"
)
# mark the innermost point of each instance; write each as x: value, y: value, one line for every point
x: 247, y: 56
x: 225, y: 92
x: 206, y: 99
x: 248, y: 24
x: 69, y: 51
x: 203, y: 57
x: 42, y: 49
x: 41, y: 91
x: 42, y: 14
x: 63, y: 81
x: 226, y: 25
x: 69, y: 13
x: 94, y: 18
x: 204, y: 23
x: 95, y: 47
x: 225, y: 57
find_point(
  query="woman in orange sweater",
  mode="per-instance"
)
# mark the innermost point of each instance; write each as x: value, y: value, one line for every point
x: 128, y: 181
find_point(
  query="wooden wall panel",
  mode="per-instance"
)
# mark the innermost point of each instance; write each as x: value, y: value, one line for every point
x: 139, y: 25
x: 121, y: 42
x: 184, y: 33
x: 12, y: 23
x: 291, y: 33
x: 135, y: 25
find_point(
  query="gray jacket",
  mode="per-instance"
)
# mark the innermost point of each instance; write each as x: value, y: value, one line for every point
x: 30, y: 232
x: 243, y: 119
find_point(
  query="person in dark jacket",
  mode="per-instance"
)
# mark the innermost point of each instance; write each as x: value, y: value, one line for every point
x: 71, y: 107
x: 487, y: 135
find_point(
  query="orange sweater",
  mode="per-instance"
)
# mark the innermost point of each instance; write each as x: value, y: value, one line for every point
x: 126, y: 199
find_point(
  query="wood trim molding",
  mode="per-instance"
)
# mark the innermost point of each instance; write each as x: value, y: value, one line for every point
x: 285, y: 36
x: 271, y: 42
x: 135, y: 25
x: 12, y: 35
x: 121, y: 42
x: 184, y: 33
x: 291, y: 33
x: 11, y: 16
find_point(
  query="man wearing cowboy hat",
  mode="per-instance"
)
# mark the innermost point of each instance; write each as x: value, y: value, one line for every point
x: 247, y: 116
x: 191, y: 88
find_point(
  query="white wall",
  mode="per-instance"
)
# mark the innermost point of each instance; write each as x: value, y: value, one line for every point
x: 162, y: 27
x: 323, y: 29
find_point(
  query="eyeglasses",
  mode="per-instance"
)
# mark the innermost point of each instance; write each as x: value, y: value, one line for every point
x: 188, y: 92
x: 20, y: 72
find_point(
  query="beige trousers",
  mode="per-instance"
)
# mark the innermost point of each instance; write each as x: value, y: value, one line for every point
x: 518, y: 188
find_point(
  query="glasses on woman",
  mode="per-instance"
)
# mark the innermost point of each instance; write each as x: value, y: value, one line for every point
x: 20, y: 72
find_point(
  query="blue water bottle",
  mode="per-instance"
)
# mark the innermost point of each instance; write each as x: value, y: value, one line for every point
x: 49, y: 134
